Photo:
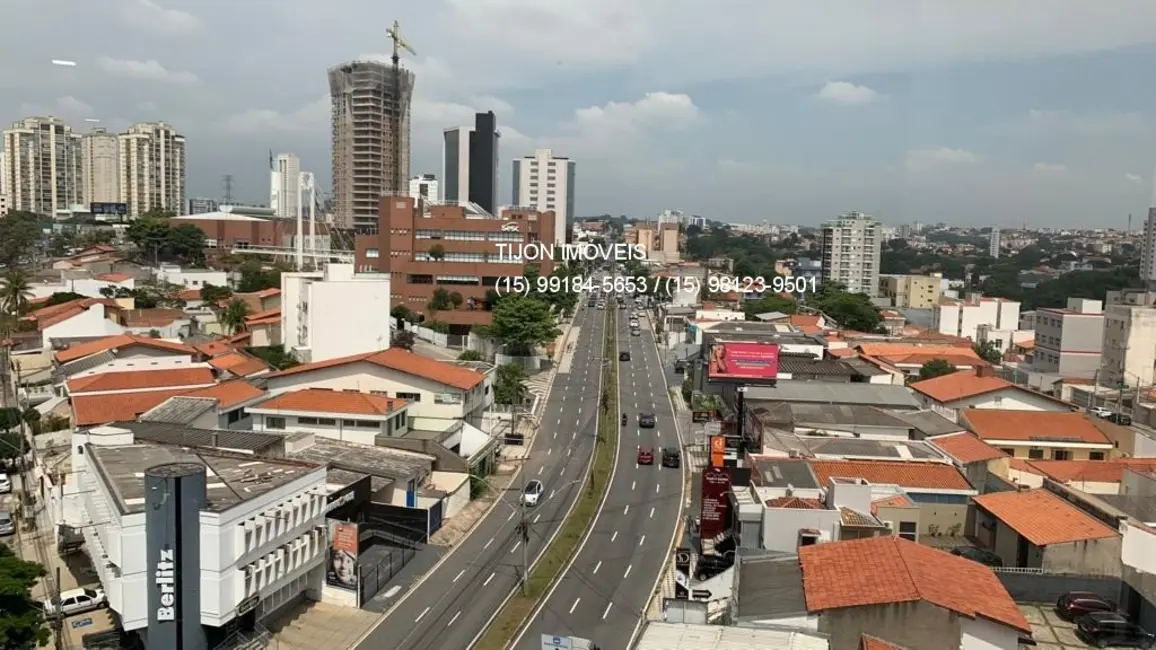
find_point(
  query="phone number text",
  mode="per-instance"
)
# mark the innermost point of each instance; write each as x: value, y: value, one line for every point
x: 652, y: 285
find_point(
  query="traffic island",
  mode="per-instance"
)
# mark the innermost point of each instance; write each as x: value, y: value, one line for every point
x: 505, y: 626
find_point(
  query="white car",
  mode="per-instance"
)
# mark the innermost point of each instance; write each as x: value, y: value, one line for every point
x: 1101, y: 412
x: 533, y: 493
x: 7, y: 526
x: 5, y: 483
x: 75, y: 601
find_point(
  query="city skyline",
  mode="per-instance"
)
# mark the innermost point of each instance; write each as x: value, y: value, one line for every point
x: 1033, y: 122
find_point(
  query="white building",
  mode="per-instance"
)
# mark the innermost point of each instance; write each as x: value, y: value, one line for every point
x: 1129, y: 339
x: 964, y: 318
x: 335, y: 312
x: 546, y: 182
x: 340, y: 415
x: 424, y: 187
x: 993, y: 243
x: 285, y: 186
x: 950, y: 395
x: 42, y: 166
x: 152, y: 168
x: 100, y: 166
x: 191, y: 278
x: 1148, y: 250
x: 850, y: 252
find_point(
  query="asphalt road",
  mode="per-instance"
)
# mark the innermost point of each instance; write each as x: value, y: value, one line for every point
x: 604, y: 594
x: 455, y: 601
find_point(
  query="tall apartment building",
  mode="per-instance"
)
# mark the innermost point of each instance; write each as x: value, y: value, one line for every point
x: 965, y: 318
x: 369, y: 106
x: 424, y: 187
x: 546, y: 183
x: 1129, y: 338
x: 993, y: 243
x: 910, y: 291
x: 450, y: 247
x: 3, y: 194
x: 100, y: 167
x: 851, y: 249
x: 285, y: 186
x: 42, y: 166
x: 1148, y: 250
x: 470, y: 162
x: 1070, y: 341
x: 152, y: 168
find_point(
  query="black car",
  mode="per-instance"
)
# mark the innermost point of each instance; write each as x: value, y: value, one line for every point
x: 981, y: 555
x: 1120, y: 418
x: 1107, y: 629
x: 671, y: 457
x: 1075, y: 604
x: 624, y: 356
x: 646, y: 420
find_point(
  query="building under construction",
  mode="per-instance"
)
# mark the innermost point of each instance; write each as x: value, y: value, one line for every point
x: 370, y: 108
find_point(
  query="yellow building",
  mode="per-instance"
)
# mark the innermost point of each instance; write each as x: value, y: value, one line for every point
x: 910, y: 291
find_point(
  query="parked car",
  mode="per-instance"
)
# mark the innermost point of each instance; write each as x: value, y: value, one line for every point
x: 533, y: 493
x: 671, y: 457
x: 634, y: 331
x: 645, y: 456
x: 1075, y: 604
x: 1108, y: 629
x: 1122, y: 419
x: 75, y: 601
x: 981, y: 555
x: 7, y: 525
x: 1100, y: 411
x: 646, y: 420
x: 624, y: 356
x: 5, y: 483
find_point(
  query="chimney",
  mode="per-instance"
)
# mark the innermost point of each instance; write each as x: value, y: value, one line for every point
x: 985, y: 370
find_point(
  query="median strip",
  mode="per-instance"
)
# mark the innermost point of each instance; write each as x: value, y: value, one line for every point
x: 505, y: 626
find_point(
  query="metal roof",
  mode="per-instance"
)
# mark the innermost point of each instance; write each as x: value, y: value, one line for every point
x: 178, y: 434
x: 179, y: 410
x: 884, y: 395
x: 685, y: 636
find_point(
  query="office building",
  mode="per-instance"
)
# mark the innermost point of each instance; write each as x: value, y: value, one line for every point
x: 452, y: 248
x: 850, y: 252
x: 42, y: 166
x: 3, y: 194
x: 910, y: 291
x: 424, y: 187
x: 546, y: 183
x: 100, y: 167
x: 993, y: 243
x: 152, y: 168
x: 285, y: 186
x: 470, y: 163
x: 1070, y: 341
x: 202, y: 205
x: 370, y: 107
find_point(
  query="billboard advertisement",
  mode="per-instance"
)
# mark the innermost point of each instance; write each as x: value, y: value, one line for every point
x: 175, y: 493
x: 119, y: 209
x: 718, y: 451
x: 713, y: 519
x: 743, y: 361
x: 341, y: 569
x: 701, y: 417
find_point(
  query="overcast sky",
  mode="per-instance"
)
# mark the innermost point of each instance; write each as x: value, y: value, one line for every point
x: 975, y: 113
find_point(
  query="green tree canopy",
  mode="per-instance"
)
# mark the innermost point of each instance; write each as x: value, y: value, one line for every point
x: 851, y: 310
x: 154, y: 237
x: 403, y: 339
x: 508, y: 384
x: 935, y: 368
x: 234, y: 315
x: 213, y: 294
x: 19, y: 232
x: 523, y: 323
x: 255, y: 277
x: 21, y: 619
x: 988, y: 352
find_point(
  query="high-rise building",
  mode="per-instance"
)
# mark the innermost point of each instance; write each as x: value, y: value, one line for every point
x: 851, y: 250
x: 470, y: 162
x: 424, y: 187
x: 100, y: 166
x: 285, y: 186
x: 1148, y: 250
x: 993, y: 243
x: 546, y: 183
x: 42, y: 170
x: 152, y: 168
x: 370, y: 105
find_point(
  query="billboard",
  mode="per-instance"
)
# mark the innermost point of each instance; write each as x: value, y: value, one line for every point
x: 119, y: 209
x: 341, y: 568
x: 738, y: 361
x: 718, y: 450
x: 713, y: 519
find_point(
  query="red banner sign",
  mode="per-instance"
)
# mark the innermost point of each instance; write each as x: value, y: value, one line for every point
x: 743, y: 361
x: 713, y: 519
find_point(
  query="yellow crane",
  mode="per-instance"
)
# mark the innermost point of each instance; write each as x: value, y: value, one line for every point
x: 399, y: 44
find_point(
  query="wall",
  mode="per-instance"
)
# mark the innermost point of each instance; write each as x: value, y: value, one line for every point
x: 1008, y: 399
x: 349, y: 317
x: 87, y: 287
x: 1040, y: 587
x: 457, y: 489
x: 940, y: 517
x: 1098, y: 556
x: 362, y: 435
x: 916, y: 624
x: 781, y: 526
x: 90, y: 323
x: 142, y: 359
x: 982, y: 634
x: 192, y: 278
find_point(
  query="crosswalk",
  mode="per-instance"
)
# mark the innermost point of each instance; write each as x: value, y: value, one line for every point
x: 539, y: 385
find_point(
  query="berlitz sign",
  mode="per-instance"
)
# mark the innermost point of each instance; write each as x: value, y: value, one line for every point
x: 166, y: 580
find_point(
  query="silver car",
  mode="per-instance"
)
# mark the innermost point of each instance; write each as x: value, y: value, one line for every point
x: 7, y: 525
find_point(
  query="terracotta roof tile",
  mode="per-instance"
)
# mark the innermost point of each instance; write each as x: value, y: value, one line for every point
x: 1026, y: 426
x: 213, y: 348
x: 238, y: 363
x: 158, y: 317
x: 1091, y: 471
x: 1022, y: 465
x: 119, y: 342
x: 907, y: 474
x: 49, y: 316
x: 113, y: 277
x: 140, y: 379
x: 267, y: 293
x: 920, y: 358
x: 264, y: 317
x: 189, y: 295
x: 887, y: 570
x: 897, y: 501
x: 321, y: 400
x: 966, y: 447
x: 959, y: 385
x: 1042, y: 517
x: 795, y: 503
x: 868, y: 642
x: 404, y: 361
x: 228, y: 393
x: 91, y: 410
x: 904, y: 349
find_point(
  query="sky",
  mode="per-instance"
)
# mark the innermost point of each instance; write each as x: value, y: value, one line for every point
x: 986, y: 112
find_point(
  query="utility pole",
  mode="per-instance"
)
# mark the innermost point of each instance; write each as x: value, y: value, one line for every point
x: 58, y: 619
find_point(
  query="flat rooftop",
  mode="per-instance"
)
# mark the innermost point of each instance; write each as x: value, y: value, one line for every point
x: 392, y: 464
x: 784, y: 472
x: 231, y: 480
x: 253, y: 442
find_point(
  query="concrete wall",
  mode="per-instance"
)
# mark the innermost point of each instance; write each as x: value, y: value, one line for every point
x: 1098, y: 556
x: 1030, y: 587
x: 913, y: 625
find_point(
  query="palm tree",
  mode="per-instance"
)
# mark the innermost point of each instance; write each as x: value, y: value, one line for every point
x: 15, y: 290
x: 234, y: 315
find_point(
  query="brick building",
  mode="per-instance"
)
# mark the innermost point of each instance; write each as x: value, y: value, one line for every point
x: 228, y: 230
x: 429, y: 246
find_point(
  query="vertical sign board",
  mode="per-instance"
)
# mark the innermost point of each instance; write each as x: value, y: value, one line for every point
x: 718, y: 450
x: 341, y: 569
x: 716, y: 484
x: 174, y: 497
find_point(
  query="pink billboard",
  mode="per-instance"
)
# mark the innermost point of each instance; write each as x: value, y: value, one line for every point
x: 738, y: 361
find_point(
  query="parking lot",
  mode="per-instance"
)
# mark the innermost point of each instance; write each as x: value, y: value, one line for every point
x: 1050, y: 631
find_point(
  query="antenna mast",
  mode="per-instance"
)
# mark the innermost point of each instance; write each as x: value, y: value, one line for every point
x: 399, y: 44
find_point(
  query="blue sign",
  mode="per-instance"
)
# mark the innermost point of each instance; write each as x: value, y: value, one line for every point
x: 551, y: 642
x: 84, y: 622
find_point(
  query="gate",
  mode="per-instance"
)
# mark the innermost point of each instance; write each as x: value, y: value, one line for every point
x: 435, y: 516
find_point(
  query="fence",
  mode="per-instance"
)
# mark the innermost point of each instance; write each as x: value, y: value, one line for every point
x: 258, y: 638
x: 374, y: 577
x: 1038, y: 586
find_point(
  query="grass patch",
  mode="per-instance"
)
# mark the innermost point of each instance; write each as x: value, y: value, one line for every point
x: 505, y: 626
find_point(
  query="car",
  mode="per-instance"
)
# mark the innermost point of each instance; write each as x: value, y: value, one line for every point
x: 5, y: 483
x: 671, y: 457
x: 635, y: 332
x: 1101, y: 412
x: 645, y: 456
x: 7, y: 525
x: 1122, y: 419
x: 532, y: 493
x: 75, y: 601
x: 646, y: 420
x: 1104, y: 629
x: 1075, y: 604
x: 622, y: 305
x: 624, y: 356
x: 981, y: 555
x: 634, y: 324
x: 679, y: 367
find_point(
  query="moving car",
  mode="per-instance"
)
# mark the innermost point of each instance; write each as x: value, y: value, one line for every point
x: 1120, y: 418
x: 1100, y: 411
x: 7, y: 525
x: 634, y: 331
x: 1075, y: 604
x: 5, y: 483
x: 75, y: 601
x: 1107, y: 629
x: 645, y: 456
x: 671, y: 457
x: 624, y: 356
x: 646, y: 420
x: 533, y: 493
x: 981, y: 555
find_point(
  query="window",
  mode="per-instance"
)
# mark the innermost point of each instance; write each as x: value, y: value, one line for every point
x: 1096, y: 455
x: 328, y: 422
x: 1036, y: 454
x: 372, y: 253
x: 410, y: 397
x: 306, y: 420
x: 1061, y: 454
x: 908, y: 530
x: 274, y: 422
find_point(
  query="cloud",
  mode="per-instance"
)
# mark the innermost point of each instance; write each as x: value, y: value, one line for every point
x: 149, y: 70
x: 310, y: 118
x: 1049, y: 167
x: 151, y: 18
x: 656, y: 110
x: 919, y: 160
x: 1134, y: 178
x: 847, y: 94
x: 1049, y: 123
x: 67, y: 107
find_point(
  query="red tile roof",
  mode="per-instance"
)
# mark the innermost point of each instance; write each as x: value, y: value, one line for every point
x: 907, y: 474
x: 321, y: 400
x: 49, y: 316
x: 140, y: 379
x: 959, y: 385
x: 897, y: 501
x: 404, y: 361
x: 113, y: 277
x: 214, y: 348
x: 238, y: 363
x: 888, y: 570
x: 267, y: 317
x: 868, y: 642
x: 265, y: 294
x: 1025, y: 426
x: 966, y: 447
x: 1043, y: 518
x: 228, y: 393
x: 796, y: 503
x: 156, y: 317
x: 91, y: 410
x: 1091, y: 471
x: 119, y: 342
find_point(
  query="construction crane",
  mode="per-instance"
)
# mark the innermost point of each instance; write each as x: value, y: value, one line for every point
x: 399, y: 44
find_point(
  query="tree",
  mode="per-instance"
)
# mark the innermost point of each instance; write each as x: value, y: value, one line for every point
x: 523, y: 323
x: 234, y: 315
x: 935, y: 368
x: 149, y: 234
x: 15, y: 292
x: 470, y: 355
x: 10, y: 446
x: 187, y: 243
x: 456, y: 299
x: 21, y: 618
x: 403, y: 313
x: 437, y: 252
x: 851, y: 310
x: 403, y: 339
x: 988, y: 352
x: 61, y: 297
x: 508, y: 384
x: 254, y: 278
x: 213, y: 294
x: 440, y: 301
x: 19, y: 232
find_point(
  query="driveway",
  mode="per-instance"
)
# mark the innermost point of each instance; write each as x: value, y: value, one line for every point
x: 1050, y: 631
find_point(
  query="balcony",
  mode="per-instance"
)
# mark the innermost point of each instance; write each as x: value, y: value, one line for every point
x: 38, y: 394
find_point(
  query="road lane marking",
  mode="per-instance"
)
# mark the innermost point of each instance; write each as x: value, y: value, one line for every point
x: 454, y: 618
x: 488, y: 544
x: 569, y: 450
x: 596, y: 567
x: 657, y: 488
x: 540, y: 470
x: 607, y: 612
x: 578, y: 421
x: 551, y: 495
x: 614, y: 536
x: 539, y: 516
x: 642, y: 540
x: 633, y: 484
x: 555, y: 434
x: 652, y: 513
x: 549, y: 451
x: 460, y: 573
x: 511, y: 516
x: 487, y: 582
x: 575, y: 605
x: 626, y: 510
x: 422, y: 614
x: 516, y: 545
x: 559, y: 421
x: 628, y: 567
